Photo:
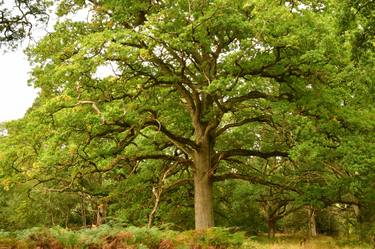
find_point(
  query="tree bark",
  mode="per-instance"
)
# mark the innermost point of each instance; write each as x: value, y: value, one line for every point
x: 271, y: 228
x: 203, y: 187
x: 101, y: 214
x: 312, y: 222
x: 83, y: 212
x: 157, y: 193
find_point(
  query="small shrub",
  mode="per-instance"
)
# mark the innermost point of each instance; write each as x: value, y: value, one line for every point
x: 147, y: 237
x: 166, y: 244
x: 68, y: 239
x: 44, y: 239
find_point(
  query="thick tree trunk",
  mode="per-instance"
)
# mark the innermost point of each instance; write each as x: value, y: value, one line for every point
x: 203, y: 188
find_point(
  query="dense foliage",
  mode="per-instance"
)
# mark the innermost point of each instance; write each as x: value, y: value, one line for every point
x: 255, y: 115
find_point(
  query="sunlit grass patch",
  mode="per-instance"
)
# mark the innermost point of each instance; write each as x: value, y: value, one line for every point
x: 289, y: 242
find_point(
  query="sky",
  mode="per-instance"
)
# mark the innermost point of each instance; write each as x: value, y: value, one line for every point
x: 15, y: 94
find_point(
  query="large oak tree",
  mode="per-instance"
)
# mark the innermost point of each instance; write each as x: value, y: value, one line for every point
x: 203, y: 86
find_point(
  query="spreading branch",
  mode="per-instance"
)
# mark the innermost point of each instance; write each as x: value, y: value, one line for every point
x: 253, y: 179
x: 260, y: 119
x: 181, y: 142
x: 243, y: 152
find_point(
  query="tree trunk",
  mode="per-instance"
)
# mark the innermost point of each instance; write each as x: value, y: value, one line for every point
x: 271, y: 228
x: 312, y: 222
x: 50, y: 207
x: 157, y: 193
x: 67, y: 219
x: 83, y: 212
x: 203, y: 188
x: 100, y: 214
x: 362, y: 228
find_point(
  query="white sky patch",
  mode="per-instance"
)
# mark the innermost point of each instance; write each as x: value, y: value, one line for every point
x: 15, y: 95
x: 82, y: 15
x: 3, y: 132
x: 106, y: 70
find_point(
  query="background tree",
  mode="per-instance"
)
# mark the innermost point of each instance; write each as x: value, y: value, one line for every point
x: 18, y: 17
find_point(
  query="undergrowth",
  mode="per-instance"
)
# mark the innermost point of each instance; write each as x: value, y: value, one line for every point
x: 116, y: 237
x: 112, y: 237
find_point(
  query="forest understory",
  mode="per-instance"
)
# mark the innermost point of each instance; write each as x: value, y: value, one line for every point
x: 107, y: 237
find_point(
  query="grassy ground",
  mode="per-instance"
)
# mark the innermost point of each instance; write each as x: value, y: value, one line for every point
x: 320, y: 242
x: 107, y: 237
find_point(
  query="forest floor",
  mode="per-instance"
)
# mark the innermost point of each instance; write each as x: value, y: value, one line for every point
x: 108, y: 237
x: 293, y: 242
